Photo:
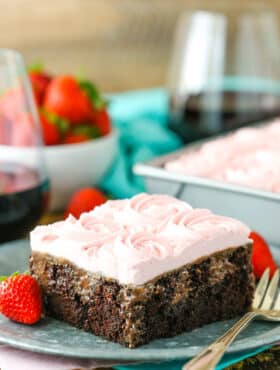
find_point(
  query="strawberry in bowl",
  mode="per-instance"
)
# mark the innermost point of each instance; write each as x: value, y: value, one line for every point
x: 71, y: 110
x: 78, y: 137
x: 80, y: 142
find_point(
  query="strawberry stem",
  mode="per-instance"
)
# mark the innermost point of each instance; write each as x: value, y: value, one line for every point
x: 93, y: 94
x: 36, y: 67
x: 88, y: 130
x: 16, y: 273
x: 61, y: 123
x: 3, y: 278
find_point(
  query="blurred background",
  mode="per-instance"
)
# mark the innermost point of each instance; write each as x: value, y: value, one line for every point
x: 121, y: 44
x: 221, y: 70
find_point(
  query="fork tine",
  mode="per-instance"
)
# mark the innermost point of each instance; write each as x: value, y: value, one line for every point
x: 271, y: 291
x: 277, y: 303
x: 261, y: 288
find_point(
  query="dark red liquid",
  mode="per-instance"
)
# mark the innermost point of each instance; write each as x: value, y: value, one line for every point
x: 204, y: 115
x: 23, y: 199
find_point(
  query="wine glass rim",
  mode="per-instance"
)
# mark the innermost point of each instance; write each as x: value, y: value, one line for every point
x: 6, y: 52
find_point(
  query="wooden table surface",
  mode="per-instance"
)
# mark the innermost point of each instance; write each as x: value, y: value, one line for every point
x: 121, y: 44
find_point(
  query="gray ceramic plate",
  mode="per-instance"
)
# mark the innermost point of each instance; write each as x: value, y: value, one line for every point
x: 53, y: 337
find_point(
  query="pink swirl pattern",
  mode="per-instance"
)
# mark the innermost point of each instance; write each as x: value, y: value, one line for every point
x: 249, y: 157
x: 137, y: 239
x: 158, y: 206
x: 148, y: 244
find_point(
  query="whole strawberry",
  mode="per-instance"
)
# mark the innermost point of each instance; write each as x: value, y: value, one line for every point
x: 261, y: 257
x: 66, y: 99
x: 71, y: 138
x: 100, y: 118
x: 40, y: 81
x: 21, y: 298
x: 84, y: 200
x: 50, y: 131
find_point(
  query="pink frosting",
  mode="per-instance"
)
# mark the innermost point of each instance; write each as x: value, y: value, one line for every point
x: 249, y: 157
x: 137, y: 239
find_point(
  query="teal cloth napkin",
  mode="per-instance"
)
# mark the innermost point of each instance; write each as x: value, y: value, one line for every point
x: 141, y: 120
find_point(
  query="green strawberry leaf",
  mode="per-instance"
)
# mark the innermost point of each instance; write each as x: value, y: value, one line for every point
x: 16, y: 273
x: 52, y: 117
x: 3, y: 278
x: 87, y: 130
x: 61, y: 123
x: 93, y: 94
x: 36, y: 67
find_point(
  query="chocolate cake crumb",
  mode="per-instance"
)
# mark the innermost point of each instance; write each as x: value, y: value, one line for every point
x: 217, y: 287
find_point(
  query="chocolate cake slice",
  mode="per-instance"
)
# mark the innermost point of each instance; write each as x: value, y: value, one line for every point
x: 145, y: 268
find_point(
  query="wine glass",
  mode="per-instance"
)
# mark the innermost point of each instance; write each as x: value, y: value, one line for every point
x: 23, y: 181
x: 224, y: 70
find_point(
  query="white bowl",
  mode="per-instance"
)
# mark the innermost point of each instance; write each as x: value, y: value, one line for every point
x: 69, y: 167
x: 73, y: 166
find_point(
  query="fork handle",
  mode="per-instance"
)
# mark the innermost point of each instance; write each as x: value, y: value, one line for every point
x: 211, y: 355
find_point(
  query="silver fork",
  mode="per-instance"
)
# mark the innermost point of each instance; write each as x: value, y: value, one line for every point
x: 266, y: 306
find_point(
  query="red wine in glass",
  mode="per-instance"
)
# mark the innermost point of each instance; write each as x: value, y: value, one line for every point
x: 23, y: 199
x: 193, y: 119
x: 23, y: 179
x: 224, y: 74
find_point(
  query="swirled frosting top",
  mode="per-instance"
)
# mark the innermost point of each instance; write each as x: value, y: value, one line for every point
x: 135, y: 240
x: 249, y: 157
